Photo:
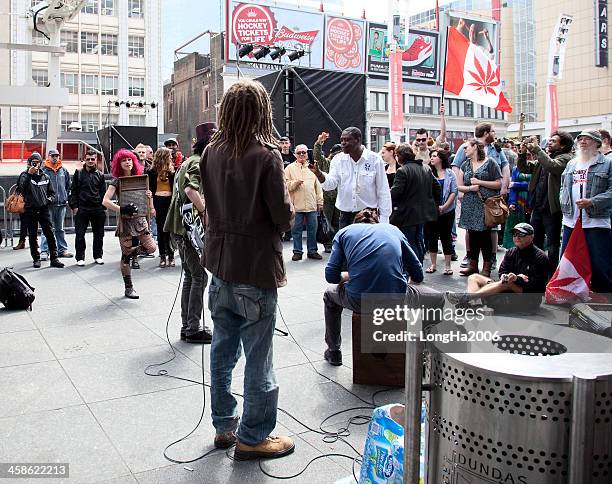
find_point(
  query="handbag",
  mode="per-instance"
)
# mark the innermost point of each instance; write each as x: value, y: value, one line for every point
x: 495, y: 210
x: 15, y: 203
x: 325, y: 234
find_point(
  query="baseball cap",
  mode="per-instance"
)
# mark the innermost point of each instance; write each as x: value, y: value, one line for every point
x: 53, y: 151
x: 170, y: 140
x: 34, y: 156
x: 593, y: 134
x: 523, y: 229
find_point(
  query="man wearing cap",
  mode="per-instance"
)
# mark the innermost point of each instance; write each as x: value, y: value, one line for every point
x: 38, y: 194
x: 177, y: 156
x: 332, y: 214
x: 525, y: 269
x: 186, y: 191
x: 586, y: 191
x: 60, y: 181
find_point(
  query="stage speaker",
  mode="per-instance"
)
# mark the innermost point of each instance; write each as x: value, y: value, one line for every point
x: 113, y: 138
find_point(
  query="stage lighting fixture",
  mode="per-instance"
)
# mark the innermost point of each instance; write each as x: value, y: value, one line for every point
x: 141, y: 104
x: 295, y: 55
x: 261, y: 52
x: 245, y: 49
x: 117, y: 104
x: 153, y: 105
x: 128, y: 104
x: 277, y: 52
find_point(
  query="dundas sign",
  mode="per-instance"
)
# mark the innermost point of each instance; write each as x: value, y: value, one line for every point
x: 601, y: 33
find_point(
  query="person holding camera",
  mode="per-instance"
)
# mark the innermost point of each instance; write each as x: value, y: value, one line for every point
x: 131, y: 223
x: 38, y: 194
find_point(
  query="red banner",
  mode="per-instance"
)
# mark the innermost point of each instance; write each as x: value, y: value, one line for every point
x: 552, y: 110
x: 396, y: 112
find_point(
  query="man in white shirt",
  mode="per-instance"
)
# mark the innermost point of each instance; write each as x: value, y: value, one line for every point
x: 359, y: 176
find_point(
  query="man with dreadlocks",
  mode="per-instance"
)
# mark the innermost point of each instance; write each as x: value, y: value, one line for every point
x: 248, y: 207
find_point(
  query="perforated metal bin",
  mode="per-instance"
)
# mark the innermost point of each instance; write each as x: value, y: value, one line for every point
x: 510, y: 416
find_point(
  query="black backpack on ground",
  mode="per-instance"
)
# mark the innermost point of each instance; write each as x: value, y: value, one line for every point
x: 15, y: 292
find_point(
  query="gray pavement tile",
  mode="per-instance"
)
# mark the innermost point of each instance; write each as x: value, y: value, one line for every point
x: 100, y: 337
x: 151, y: 304
x: 300, y: 309
x: 79, y: 312
x: 69, y: 435
x: 22, y: 348
x: 121, y: 374
x: 13, y: 321
x: 127, y: 479
x: 219, y: 468
x: 35, y: 387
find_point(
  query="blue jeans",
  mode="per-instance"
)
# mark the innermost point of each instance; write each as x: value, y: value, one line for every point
x: 243, y: 314
x: 311, y: 231
x: 599, y: 241
x: 416, y: 239
x: 57, y: 215
x: 154, y: 227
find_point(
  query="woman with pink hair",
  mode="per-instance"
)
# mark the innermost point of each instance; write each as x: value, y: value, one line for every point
x: 130, y: 223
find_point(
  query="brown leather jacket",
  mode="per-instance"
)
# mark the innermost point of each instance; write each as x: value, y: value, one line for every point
x: 248, y: 208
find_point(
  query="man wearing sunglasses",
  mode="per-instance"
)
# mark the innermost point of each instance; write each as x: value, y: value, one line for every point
x: 307, y: 198
x: 86, y: 195
x: 524, y: 270
x: 420, y: 148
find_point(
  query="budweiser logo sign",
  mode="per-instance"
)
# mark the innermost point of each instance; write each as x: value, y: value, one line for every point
x: 253, y: 24
x: 285, y: 33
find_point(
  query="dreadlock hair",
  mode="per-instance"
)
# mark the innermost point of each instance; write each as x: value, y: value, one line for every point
x: 245, y: 114
x: 162, y: 161
x: 116, y: 169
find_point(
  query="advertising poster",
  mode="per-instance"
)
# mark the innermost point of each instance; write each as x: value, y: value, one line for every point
x: 264, y: 24
x: 419, y: 53
x: 344, y: 44
x: 479, y: 31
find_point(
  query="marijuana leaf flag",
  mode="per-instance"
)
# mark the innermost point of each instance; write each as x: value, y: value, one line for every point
x: 471, y: 74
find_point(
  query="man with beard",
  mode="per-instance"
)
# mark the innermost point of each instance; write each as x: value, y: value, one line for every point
x: 544, y: 188
x: 586, y: 192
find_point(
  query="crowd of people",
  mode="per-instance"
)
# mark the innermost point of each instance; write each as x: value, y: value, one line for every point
x: 387, y: 210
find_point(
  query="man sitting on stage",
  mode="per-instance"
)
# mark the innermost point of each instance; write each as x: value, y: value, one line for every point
x: 377, y: 257
x: 524, y: 270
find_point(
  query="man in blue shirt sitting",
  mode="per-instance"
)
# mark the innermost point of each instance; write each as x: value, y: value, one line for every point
x: 378, y: 258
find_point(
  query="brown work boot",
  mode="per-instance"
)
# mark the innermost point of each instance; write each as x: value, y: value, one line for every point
x: 270, y: 448
x: 470, y: 269
x: 486, y: 269
x: 225, y: 440
x: 20, y: 245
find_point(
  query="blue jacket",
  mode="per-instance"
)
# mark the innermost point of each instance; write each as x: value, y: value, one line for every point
x: 450, y: 186
x: 598, y: 188
x: 60, y: 181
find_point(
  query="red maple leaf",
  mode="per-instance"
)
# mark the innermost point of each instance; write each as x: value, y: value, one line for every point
x: 484, y: 81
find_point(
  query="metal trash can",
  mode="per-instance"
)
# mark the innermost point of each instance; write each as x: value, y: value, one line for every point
x: 530, y: 409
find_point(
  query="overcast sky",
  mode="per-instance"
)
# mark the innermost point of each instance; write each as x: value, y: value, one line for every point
x: 184, y: 19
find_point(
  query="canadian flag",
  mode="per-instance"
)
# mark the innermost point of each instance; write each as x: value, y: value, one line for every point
x: 471, y: 74
x: 571, y: 281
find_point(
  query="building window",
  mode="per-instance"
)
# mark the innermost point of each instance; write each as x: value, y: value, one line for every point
x: 38, y: 38
x: 40, y: 77
x: 89, y: 42
x: 378, y: 101
x: 459, y: 108
x: 67, y: 119
x: 89, y: 83
x: 107, y: 7
x: 108, y: 44
x: 91, y: 6
x: 135, y: 46
x: 90, y: 122
x: 136, y: 87
x: 490, y: 113
x: 109, y: 86
x: 423, y: 105
x: 70, y: 39
x: 137, y: 120
x: 70, y: 80
x: 378, y: 137
x: 136, y: 8
x: 110, y: 120
x: 39, y: 122
x: 205, y: 99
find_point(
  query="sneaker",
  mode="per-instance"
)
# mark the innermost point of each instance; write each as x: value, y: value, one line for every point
x: 135, y: 264
x: 314, y: 255
x: 80, y: 263
x: 36, y: 264
x: 225, y: 440
x: 66, y: 255
x: 465, y: 262
x: 418, y: 52
x: 57, y: 263
x: 99, y: 261
x: 147, y: 256
x: 130, y: 293
x: 454, y: 257
x: 333, y: 357
x: 203, y: 337
x: 296, y: 256
x: 44, y: 256
x: 270, y: 448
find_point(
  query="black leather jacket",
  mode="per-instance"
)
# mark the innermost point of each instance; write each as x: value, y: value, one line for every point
x: 36, y: 189
x: 415, y: 195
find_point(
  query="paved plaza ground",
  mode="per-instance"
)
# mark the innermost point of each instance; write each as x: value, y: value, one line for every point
x: 74, y: 390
